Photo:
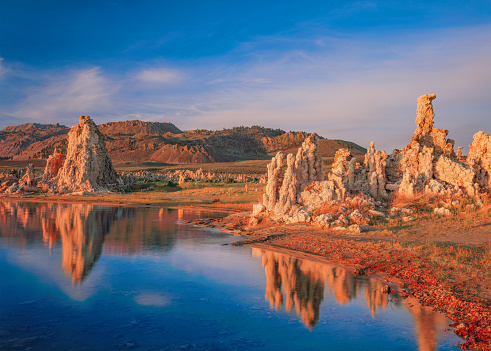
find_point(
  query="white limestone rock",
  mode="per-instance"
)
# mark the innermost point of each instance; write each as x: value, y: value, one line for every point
x: 442, y: 211
x: 257, y: 209
x: 87, y: 166
x: 479, y: 159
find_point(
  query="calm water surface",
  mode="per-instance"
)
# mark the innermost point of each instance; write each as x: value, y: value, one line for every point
x: 84, y: 277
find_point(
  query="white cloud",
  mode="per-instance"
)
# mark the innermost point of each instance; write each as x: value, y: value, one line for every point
x: 158, y: 76
x: 64, y: 97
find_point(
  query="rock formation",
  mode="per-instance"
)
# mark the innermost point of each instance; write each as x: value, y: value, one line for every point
x: 87, y: 166
x: 300, y: 192
x: 285, y: 185
x: 429, y: 163
x: 479, y: 159
x: 375, y: 163
x: 425, y: 134
x: 53, y: 165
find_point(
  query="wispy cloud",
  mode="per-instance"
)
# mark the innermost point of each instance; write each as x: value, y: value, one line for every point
x: 67, y: 95
x: 158, y: 75
x: 363, y: 90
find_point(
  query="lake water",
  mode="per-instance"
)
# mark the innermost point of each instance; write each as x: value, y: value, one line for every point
x: 84, y: 277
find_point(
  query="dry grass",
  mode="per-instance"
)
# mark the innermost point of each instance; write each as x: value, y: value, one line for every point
x: 419, y: 202
x: 252, y: 167
x: 330, y: 207
x: 7, y: 165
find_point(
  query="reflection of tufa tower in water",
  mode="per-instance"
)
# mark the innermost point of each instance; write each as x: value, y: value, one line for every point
x: 82, y: 229
x: 301, y: 291
x: 300, y: 283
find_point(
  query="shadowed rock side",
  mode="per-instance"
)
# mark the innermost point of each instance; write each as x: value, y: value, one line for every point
x: 300, y: 284
x: 354, y: 191
x: 53, y: 165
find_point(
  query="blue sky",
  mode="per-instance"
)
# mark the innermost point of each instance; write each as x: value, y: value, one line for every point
x: 347, y: 70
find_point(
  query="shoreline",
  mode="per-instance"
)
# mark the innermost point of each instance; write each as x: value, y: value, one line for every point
x: 98, y: 202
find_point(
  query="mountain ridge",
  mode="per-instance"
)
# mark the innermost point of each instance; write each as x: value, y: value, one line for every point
x: 139, y: 141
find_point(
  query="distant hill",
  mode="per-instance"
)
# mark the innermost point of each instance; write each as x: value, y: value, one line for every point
x: 16, y: 138
x: 137, y: 141
x: 138, y: 127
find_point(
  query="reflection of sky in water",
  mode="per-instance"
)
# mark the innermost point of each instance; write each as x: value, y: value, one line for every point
x: 146, y: 281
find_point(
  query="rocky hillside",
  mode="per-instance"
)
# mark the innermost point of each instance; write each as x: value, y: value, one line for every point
x: 16, y: 138
x: 138, y: 127
x: 137, y: 141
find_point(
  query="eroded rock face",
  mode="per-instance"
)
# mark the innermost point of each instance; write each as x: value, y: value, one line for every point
x: 285, y: 184
x: 429, y: 163
x: 28, y: 178
x: 297, y: 193
x: 309, y: 164
x: 375, y: 163
x: 53, y: 165
x: 425, y: 134
x: 479, y: 159
x: 87, y: 166
x: 297, y: 186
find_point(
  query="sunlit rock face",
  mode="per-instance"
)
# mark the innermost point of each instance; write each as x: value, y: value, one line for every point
x: 429, y: 164
x: 87, y: 166
x: 425, y: 134
x: 298, y: 191
x: 479, y: 159
x: 285, y: 184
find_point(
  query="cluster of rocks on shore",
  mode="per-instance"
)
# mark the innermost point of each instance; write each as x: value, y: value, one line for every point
x: 298, y: 190
x: 182, y: 176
